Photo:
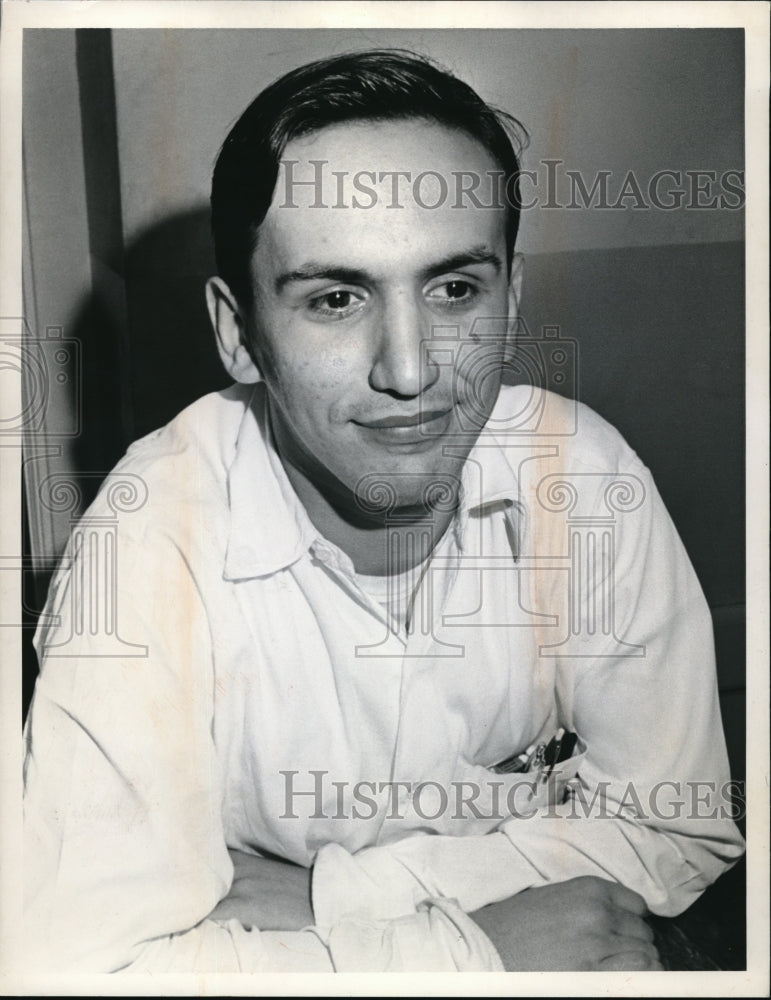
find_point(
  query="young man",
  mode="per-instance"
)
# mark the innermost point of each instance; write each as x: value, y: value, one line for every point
x: 373, y: 584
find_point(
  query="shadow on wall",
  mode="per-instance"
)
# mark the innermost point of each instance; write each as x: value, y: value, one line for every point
x: 141, y: 370
x: 146, y: 351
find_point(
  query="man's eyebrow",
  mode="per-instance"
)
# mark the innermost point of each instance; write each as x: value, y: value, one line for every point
x: 317, y: 271
x: 312, y: 271
x: 474, y: 255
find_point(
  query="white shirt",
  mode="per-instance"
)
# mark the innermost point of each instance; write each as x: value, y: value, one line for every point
x: 213, y: 677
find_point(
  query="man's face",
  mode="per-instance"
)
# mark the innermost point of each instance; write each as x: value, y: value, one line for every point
x: 363, y: 318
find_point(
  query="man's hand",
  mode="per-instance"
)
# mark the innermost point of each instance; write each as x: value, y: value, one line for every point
x: 268, y: 894
x: 583, y: 924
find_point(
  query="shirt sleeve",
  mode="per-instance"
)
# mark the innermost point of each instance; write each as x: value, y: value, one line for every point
x: 649, y: 807
x: 125, y: 851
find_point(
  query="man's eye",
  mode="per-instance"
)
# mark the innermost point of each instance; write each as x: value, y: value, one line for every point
x: 340, y: 302
x: 337, y: 300
x: 455, y: 292
x: 458, y: 289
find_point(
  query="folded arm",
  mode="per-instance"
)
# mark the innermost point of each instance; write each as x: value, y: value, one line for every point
x: 126, y: 863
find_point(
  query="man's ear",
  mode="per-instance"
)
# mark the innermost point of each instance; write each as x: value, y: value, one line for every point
x: 515, y: 297
x: 515, y: 284
x: 229, y: 326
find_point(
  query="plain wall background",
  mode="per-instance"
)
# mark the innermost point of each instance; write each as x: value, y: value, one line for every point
x: 644, y: 100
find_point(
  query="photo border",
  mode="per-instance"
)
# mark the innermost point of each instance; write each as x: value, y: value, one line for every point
x: 18, y: 15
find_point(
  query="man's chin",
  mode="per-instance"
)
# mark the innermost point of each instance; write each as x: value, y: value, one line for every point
x: 407, y: 495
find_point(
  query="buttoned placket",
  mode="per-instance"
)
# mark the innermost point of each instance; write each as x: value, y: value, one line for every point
x: 338, y: 564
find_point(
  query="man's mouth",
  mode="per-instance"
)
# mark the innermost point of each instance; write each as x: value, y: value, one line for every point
x: 408, y: 428
x: 405, y: 419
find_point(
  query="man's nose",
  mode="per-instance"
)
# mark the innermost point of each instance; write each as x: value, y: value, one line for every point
x: 402, y: 364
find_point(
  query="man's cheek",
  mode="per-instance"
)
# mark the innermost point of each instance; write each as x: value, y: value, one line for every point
x: 477, y: 376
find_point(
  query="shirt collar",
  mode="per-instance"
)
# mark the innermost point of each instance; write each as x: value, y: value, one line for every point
x: 489, y: 484
x: 269, y: 527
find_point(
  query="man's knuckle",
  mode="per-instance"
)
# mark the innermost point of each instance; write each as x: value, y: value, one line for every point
x: 598, y: 945
x: 644, y: 930
x: 653, y: 952
x: 592, y: 885
x: 646, y: 955
x: 601, y: 913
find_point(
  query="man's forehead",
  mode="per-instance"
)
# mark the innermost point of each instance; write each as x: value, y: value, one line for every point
x: 392, y: 145
x: 379, y: 244
x: 403, y: 191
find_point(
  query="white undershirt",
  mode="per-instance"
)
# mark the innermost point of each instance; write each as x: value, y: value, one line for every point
x: 396, y: 592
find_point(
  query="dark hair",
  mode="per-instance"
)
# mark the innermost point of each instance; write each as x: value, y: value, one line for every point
x: 375, y: 85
